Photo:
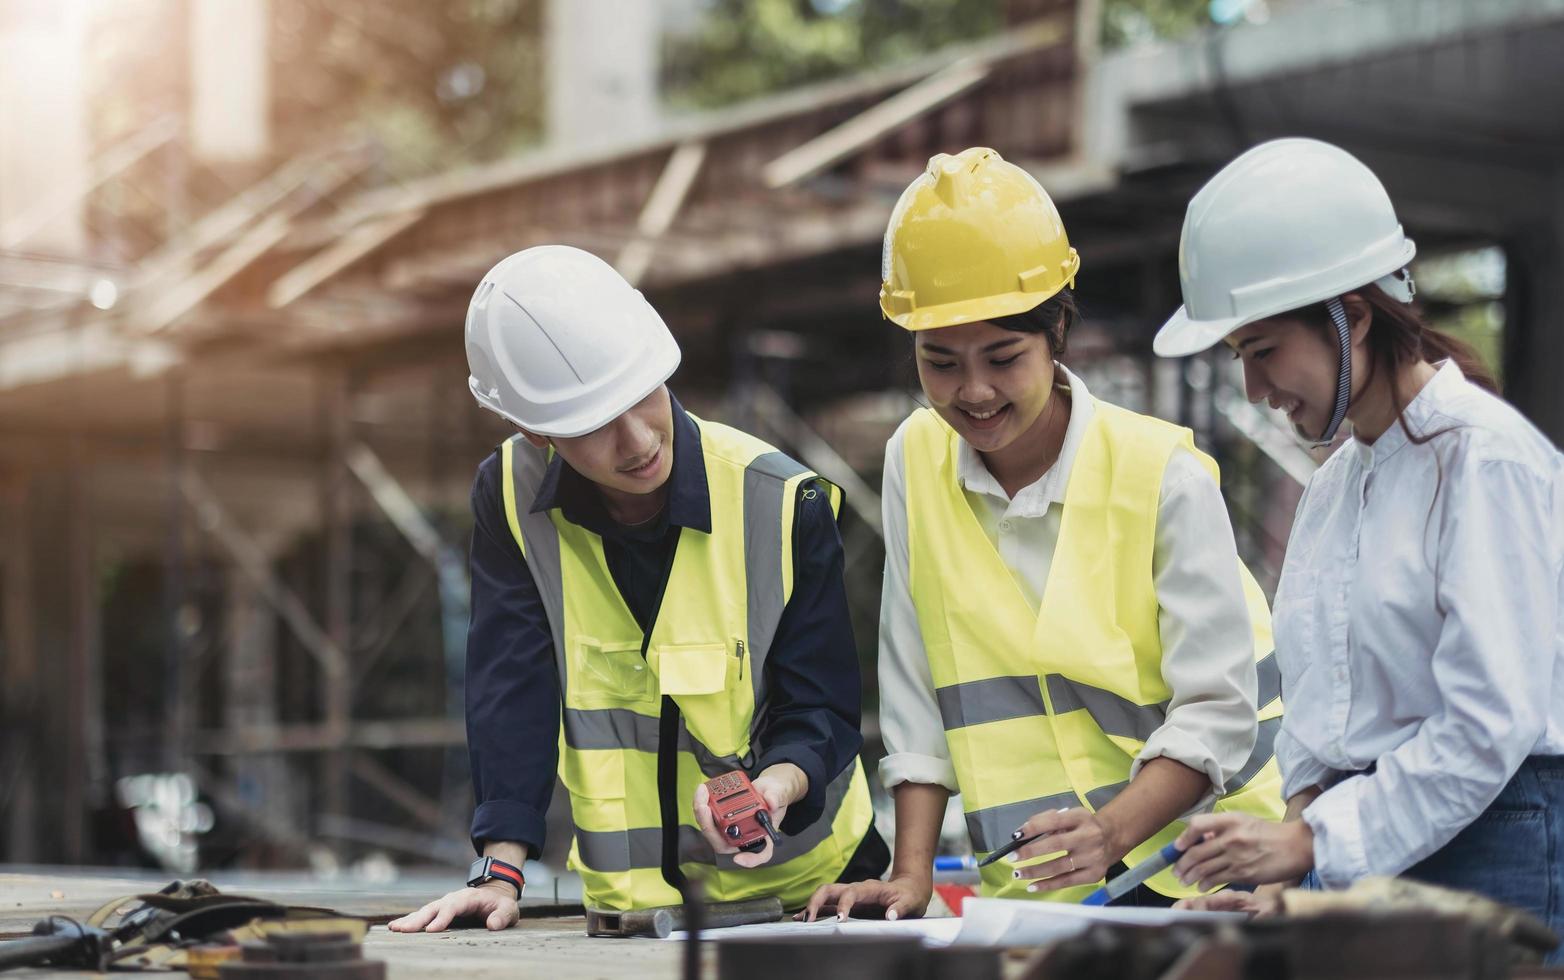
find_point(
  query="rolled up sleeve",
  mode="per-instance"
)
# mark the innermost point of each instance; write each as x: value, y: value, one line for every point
x: 1207, y: 639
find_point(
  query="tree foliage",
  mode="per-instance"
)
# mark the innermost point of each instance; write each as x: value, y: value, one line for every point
x: 744, y: 48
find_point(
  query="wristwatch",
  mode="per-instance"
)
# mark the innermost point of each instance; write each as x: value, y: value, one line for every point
x: 493, y: 869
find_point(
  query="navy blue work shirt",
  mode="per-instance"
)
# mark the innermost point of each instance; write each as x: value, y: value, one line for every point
x: 812, y: 714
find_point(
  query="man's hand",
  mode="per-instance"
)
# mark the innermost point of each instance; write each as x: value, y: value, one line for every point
x: 495, y: 901
x: 901, y: 898
x: 1082, y: 842
x: 1261, y: 903
x: 1226, y: 847
x: 779, y: 785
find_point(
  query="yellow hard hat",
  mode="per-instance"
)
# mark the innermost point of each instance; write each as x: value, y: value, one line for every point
x: 972, y: 238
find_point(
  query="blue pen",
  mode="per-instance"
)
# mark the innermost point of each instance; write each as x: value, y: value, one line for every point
x: 955, y: 862
x: 1125, y: 882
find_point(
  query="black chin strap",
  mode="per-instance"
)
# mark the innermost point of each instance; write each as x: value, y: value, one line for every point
x: 1338, y: 316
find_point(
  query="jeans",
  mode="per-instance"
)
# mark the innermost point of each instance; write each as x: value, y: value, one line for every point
x: 1514, y: 851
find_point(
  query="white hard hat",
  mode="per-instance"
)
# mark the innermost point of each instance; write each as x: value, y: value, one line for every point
x: 1290, y: 223
x: 560, y: 344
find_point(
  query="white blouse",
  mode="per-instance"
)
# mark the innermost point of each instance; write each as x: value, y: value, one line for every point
x: 1208, y: 647
x: 1418, y: 628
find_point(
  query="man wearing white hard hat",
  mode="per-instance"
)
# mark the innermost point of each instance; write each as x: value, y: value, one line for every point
x: 657, y: 600
x: 1418, y: 613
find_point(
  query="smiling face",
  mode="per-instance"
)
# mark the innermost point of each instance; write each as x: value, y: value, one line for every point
x: 1291, y: 365
x: 990, y: 384
x: 631, y: 455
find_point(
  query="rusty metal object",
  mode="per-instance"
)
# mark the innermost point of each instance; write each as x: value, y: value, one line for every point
x: 325, y: 956
x: 662, y: 922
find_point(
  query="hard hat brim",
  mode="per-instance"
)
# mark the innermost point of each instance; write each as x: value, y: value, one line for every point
x: 968, y: 311
x: 1182, y: 335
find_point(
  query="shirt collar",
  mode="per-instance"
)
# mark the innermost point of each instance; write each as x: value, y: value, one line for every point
x: 1034, y: 499
x: 689, y: 494
x: 1419, y: 413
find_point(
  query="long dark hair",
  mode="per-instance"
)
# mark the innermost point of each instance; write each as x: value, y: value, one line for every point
x: 1397, y: 338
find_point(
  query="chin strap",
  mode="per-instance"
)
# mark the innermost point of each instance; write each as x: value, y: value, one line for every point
x: 1338, y: 316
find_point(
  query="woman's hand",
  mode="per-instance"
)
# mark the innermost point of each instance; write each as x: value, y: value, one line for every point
x: 780, y: 786
x: 1082, y: 836
x: 1259, y: 904
x: 1225, y: 847
x: 902, y: 897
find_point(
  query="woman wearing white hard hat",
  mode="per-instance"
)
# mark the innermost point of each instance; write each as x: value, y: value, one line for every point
x: 1418, y: 612
x: 1067, y: 636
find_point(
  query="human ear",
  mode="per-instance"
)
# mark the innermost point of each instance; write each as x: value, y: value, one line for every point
x: 540, y: 442
x: 1359, y: 315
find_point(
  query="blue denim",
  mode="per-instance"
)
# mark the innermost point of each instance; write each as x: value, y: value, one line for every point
x: 1512, y: 852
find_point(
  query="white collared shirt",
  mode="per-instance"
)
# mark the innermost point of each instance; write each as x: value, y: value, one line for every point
x: 1207, y: 643
x: 1418, y: 628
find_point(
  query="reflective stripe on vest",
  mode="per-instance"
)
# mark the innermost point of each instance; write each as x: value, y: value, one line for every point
x: 708, y: 651
x: 1048, y: 708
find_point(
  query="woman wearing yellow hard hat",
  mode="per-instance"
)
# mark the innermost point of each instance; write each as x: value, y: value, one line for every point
x: 1067, y: 636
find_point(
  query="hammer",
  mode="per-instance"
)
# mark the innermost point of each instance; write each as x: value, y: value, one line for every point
x: 663, y: 921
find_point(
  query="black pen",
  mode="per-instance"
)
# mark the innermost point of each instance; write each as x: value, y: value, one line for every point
x: 1010, y: 848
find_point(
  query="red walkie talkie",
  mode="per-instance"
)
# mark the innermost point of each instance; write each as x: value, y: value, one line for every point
x: 739, y: 812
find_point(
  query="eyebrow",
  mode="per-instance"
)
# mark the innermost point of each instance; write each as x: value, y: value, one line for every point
x: 936, y: 349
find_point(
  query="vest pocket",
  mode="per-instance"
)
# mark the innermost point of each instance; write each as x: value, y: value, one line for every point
x: 704, y: 678
x: 600, y: 674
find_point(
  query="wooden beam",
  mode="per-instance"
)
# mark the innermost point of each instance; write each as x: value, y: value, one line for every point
x: 662, y: 206
x: 252, y: 561
x: 333, y: 259
x: 397, y: 790
x: 873, y: 124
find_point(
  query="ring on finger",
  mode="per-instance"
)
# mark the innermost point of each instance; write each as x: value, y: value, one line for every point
x: 1072, y: 862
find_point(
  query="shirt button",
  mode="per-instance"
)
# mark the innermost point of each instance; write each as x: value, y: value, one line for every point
x: 1005, y: 526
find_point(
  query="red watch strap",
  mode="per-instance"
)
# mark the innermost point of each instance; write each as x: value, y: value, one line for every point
x: 509, y: 872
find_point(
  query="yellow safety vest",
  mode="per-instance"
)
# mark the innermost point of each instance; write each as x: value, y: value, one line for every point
x: 1048, y: 708
x: 724, y: 597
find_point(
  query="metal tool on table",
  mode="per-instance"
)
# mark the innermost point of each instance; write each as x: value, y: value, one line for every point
x: 664, y: 921
x: 740, y: 813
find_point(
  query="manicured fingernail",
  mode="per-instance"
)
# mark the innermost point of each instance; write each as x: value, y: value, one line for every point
x: 1016, y: 835
x: 890, y: 916
x: 841, y: 916
x: 1031, y: 888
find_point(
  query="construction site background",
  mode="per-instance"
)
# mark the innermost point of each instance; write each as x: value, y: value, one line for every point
x: 237, y: 240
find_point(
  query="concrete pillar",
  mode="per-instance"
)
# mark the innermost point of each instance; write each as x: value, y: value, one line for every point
x: 230, y: 105
x: 602, y: 71
x: 41, y: 73
x: 1534, y: 316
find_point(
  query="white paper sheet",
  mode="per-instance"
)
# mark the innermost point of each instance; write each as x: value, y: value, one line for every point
x: 1019, y: 922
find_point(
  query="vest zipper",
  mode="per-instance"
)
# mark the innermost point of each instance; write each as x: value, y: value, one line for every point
x: 738, y: 651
